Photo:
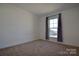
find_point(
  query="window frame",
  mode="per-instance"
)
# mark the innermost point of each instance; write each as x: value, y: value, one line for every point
x: 47, y: 26
x: 59, y: 35
x: 53, y: 27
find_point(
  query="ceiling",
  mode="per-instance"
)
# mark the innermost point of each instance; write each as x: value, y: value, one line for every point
x: 44, y: 8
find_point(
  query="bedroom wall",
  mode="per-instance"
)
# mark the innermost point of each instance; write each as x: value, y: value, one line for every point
x: 16, y: 26
x: 70, y: 23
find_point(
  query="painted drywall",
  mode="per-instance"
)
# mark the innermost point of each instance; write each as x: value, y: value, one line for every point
x: 70, y: 23
x: 16, y: 26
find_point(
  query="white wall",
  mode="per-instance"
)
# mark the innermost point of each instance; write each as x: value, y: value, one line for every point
x: 16, y: 26
x: 70, y: 23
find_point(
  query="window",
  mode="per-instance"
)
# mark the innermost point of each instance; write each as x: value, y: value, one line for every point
x: 53, y: 26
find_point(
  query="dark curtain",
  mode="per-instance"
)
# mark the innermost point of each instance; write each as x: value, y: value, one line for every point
x: 47, y: 32
x: 59, y: 39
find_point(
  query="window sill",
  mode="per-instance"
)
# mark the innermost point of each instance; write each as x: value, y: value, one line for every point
x: 52, y: 37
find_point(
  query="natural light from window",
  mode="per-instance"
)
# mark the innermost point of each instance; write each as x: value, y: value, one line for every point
x: 53, y: 25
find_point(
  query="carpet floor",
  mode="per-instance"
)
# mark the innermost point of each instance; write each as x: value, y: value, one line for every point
x: 40, y: 48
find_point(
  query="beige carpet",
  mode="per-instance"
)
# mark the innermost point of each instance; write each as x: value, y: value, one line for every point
x: 40, y: 48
